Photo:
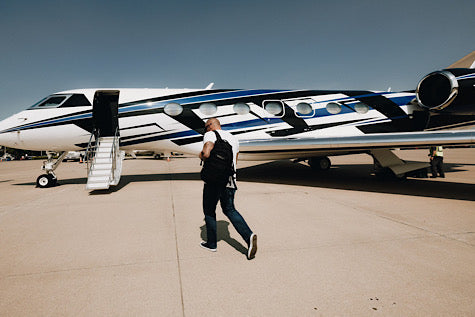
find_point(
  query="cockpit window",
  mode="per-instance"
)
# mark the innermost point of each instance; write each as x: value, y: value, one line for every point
x: 49, y: 102
x: 55, y: 101
x: 76, y: 100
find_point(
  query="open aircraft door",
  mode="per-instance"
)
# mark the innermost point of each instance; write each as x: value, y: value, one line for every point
x: 104, y: 158
x: 105, y: 112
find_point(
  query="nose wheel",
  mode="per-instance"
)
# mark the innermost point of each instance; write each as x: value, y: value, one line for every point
x: 46, y: 180
x: 49, y: 178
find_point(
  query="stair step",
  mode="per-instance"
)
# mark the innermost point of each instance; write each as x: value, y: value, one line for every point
x: 101, y: 166
x: 98, y: 179
x: 103, y: 154
x: 99, y: 160
x: 97, y: 186
x: 100, y: 172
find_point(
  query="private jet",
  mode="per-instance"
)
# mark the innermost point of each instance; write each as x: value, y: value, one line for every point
x: 271, y: 124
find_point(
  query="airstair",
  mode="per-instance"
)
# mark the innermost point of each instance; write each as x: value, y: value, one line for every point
x: 104, y: 162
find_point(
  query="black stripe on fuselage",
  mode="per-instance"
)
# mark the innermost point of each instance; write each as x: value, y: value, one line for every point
x: 142, y: 135
x: 400, y: 121
x: 289, y: 132
x: 176, y: 96
x: 186, y: 141
x: 142, y: 126
x: 380, y: 103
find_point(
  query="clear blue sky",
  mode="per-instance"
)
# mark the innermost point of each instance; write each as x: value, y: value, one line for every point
x: 49, y: 46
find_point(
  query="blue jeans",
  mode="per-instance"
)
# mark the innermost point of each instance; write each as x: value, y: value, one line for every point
x: 211, y: 195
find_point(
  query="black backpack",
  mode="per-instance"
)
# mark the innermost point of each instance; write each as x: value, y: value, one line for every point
x: 219, y: 165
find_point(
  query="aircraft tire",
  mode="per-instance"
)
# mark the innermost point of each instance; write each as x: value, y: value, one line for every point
x: 46, y: 180
x: 320, y: 163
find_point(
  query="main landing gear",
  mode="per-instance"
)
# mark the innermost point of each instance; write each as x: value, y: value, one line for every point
x: 49, y: 179
x: 321, y: 163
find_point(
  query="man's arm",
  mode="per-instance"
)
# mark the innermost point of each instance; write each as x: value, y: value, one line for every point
x: 205, y: 152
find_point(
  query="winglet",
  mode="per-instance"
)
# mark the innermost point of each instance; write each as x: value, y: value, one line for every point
x: 466, y: 62
x: 209, y: 86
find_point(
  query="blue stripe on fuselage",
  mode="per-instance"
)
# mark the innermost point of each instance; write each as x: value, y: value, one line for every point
x: 402, y: 101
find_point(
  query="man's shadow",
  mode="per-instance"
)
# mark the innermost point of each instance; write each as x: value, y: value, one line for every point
x: 222, y: 229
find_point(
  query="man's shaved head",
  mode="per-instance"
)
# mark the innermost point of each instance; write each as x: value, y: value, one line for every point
x: 212, y: 124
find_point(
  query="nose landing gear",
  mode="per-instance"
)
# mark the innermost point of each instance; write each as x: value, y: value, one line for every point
x: 49, y: 179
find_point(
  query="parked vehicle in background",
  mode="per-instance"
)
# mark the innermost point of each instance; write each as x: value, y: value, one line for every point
x: 73, y: 156
x: 6, y: 157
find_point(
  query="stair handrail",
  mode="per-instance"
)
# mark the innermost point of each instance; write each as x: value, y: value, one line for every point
x: 113, y: 154
x: 91, y: 149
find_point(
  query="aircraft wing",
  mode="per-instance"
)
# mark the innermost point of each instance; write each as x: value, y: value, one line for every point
x: 283, y: 148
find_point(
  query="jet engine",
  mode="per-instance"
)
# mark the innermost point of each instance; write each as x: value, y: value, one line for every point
x: 450, y: 87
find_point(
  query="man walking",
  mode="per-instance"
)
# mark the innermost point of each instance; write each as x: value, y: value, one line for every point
x: 224, y: 193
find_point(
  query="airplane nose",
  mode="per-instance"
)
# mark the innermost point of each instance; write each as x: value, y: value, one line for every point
x: 8, y: 139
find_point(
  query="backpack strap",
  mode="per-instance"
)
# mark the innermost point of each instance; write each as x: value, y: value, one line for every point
x: 217, y: 135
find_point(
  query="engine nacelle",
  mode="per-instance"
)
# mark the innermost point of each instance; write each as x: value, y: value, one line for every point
x: 449, y: 87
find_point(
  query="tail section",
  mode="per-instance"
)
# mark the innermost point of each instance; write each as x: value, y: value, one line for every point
x: 466, y: 62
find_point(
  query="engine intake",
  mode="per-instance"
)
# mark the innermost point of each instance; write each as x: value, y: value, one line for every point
x: 437, y: 90
x: 450, y: 87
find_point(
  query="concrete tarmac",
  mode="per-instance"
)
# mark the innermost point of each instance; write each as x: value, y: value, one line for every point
x: 340, y: 243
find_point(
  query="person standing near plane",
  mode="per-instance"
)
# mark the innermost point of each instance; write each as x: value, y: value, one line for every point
x: 224, y: 193
x: 436, y: 154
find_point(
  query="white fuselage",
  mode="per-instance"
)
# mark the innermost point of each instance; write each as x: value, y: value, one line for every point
x: 145, y: 124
